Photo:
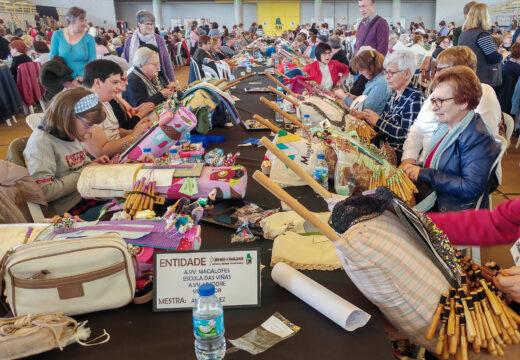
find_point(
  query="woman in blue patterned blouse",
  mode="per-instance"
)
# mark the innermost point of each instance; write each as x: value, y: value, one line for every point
x: 404, y: 104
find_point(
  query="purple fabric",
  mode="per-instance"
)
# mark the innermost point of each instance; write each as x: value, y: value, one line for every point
x: 170, y: 240
x: 377, y: 38
x: 164, y: 56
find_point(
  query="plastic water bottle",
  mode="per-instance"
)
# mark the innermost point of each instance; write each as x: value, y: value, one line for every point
x: 173, y: 156
x: 185, y: 138
x: 208, y: 325
x: 307, y: 120
x: 285, y: 68
x: 231, y: 79
x: 147, y: 155
x: 248, y: 67
x: 321, y: 171
x: 277, y: 116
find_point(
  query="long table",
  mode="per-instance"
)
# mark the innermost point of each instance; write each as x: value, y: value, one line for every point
x: 138, y: 333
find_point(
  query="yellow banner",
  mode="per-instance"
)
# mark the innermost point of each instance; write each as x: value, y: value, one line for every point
x: 277, y: 17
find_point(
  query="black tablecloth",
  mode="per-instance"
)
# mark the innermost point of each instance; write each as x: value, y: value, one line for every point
x: 10, y: 99
x: 139, y: 333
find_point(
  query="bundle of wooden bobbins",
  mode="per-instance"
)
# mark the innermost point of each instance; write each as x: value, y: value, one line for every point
x: 141, y: 197
x: 475, y: 315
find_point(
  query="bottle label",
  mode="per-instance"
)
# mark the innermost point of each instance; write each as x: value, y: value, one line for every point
x: 208, y: 328
x: 320, y: 174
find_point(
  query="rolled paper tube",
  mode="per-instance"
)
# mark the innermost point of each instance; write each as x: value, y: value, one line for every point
x: 320, y: 190
x: 288, y: 98
x: 290, y: 117
x: 138, y: 204
x: 129, y: 196
x: 282, y: 195
x: 337, y: 309
x: 147, y: 197
x: 152, y: 194
x: 266, y: 123
x: 280, y: 84
x: 135, y: 196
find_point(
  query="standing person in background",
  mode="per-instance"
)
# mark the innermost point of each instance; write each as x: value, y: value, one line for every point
x: 75, y: 46
x: 4, y: 45
x: 373, y: 29
x: 92, y: 31
x: 145, y: 35
x: 194, y: 37
x: 214, y: 30
x: 475, y: 35
x: 457, y: 31
x: 444, y: 29
x: 203, y: 28
x: 252, y: 28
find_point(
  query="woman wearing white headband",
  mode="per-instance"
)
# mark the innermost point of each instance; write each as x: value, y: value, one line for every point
x: 54, y: 156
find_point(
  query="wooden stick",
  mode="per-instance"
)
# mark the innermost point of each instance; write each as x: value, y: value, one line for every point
x: 233, y: 83
x: 280, y: 84
x: 435, y: 319
x: 279, y: 73
x: 278, y: 192
x: 266, y: 123
x: 290, y: 117
x: 320, y: 190
x: 288, y: 98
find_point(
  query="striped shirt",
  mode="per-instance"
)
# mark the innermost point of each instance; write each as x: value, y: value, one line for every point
x: 489, y: 48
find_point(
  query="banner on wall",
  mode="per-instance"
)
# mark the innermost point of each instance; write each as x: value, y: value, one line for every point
x: 277, y: 17
x: 47, y: 11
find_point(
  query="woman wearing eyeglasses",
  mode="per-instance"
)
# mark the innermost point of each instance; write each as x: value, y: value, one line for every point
x: 461, y: 151
x: 326, y: 72
x: 73, y: 44
x: 442, y: 42
x: 54, y: 156
x: 404, y: 104
x: 145, y: 34
x: 423, y: 127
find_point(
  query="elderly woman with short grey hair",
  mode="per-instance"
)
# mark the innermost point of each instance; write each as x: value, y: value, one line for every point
x: 145, y: 34
x: 73, y: 44
x: 143, y: 82
x: 402, y: 107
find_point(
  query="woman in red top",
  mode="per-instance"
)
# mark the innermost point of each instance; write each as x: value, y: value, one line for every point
x: 325, y: 71
x: 486, y: 228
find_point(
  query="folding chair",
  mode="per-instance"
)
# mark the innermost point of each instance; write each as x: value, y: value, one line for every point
x: 34, y: 120
x: 509, y: 123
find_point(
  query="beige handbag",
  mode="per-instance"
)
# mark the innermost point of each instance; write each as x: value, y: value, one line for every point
x: 72, y: 276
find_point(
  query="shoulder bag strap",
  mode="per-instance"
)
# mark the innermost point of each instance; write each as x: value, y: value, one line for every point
x: 370, y: 26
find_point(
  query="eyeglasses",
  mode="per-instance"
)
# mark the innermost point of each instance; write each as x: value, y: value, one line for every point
x: 84, y: 122
x: 440, y: 68
x: 391, y: 73
x: 438, y: 102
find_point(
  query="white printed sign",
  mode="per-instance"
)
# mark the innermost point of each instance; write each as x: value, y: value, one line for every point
x: 178, y: 275
x: 515, y: 252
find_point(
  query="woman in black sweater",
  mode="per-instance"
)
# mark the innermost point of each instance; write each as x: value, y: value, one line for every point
x: 18, y: 52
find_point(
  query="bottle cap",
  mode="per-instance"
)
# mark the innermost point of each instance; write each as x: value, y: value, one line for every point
x: 147, y: 150
x: 306, y: 116
x: 173, y: 151
x: 321, y: 156
x: 206, y: 290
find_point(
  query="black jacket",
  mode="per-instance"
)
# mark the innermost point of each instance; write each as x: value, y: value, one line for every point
x: 124, y: 121
x: 17, y: 61
x: 136, y: 92
x: 341, y: 56
x: 4, y: 48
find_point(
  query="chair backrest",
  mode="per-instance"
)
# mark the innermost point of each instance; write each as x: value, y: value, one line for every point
x: 503, y: 146
x: 15, y: 151
x: 209, y: 72
x: 510, y: 126
x: 27, y: 82
x: 34, y: 120
x: 194, y: 72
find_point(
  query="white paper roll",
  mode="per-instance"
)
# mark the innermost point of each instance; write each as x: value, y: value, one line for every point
x: 339, y: 310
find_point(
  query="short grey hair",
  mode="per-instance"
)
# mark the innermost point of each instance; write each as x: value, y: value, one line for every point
x: 142, y: 56
x: 143, y: 16
x: 117, y: 41
x: 404, y: 59
x: 335, y: 42
x: 403, y: 37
